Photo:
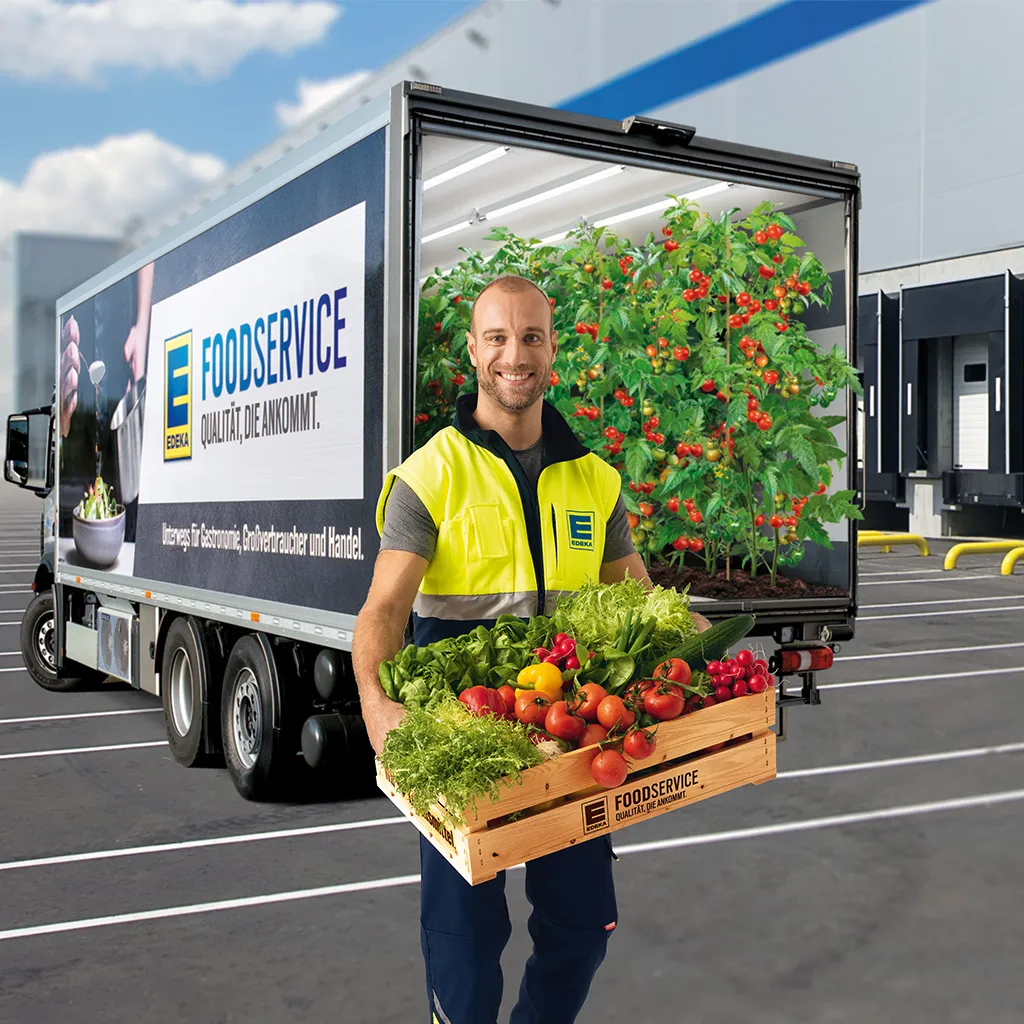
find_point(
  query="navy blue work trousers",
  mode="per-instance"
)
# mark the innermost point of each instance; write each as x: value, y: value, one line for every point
x: 464, y: 928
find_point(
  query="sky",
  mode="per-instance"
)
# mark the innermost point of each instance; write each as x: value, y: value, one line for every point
x: 116, y: 109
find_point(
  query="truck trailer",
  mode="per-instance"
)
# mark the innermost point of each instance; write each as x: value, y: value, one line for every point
x: 229, y: 398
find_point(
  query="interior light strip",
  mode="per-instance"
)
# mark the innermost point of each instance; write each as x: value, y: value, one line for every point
x: 558, y: 190
x: 470, y: 165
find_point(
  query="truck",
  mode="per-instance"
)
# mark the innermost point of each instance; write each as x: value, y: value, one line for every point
x: 229, y: 399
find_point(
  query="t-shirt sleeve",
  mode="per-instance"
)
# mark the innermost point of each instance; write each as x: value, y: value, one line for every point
x: 617, y: 540
x: 408, y: 525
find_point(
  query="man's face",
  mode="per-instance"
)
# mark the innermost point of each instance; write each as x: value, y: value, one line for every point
x: 513, y: 348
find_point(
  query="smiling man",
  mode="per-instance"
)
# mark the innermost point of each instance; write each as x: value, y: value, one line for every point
x: 498, y: 514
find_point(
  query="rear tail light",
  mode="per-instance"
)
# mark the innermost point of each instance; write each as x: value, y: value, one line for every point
x: 810, y: 659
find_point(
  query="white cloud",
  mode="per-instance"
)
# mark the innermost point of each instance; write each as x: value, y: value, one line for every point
x: 52, y: 39
x: 99, y: 189
x: 311, y: 96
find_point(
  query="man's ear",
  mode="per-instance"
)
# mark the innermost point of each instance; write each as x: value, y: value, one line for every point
x: 471, y: 346
x: 554, y: 345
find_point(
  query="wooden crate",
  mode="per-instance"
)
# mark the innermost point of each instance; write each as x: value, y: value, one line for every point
x: 557, y: 804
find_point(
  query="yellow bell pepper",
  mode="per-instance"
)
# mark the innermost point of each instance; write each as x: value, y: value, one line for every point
x: 544, y: 678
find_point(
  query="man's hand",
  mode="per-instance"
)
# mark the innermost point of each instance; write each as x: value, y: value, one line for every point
x: 381, y: 717
x: 135, y: 353
x: 700, y: 622
x: 70, y: 368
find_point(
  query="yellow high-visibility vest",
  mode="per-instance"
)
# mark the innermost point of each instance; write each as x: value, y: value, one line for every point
x: 503, y: 548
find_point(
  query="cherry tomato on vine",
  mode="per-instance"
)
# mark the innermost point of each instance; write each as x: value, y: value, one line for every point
x: 606, y: 284
x: 775, y: 522
x: 771, y: 376
x: 553, y: 380
x: 760, y: 237
x: 681, y: 543
x: 743, y: 299
x: 651, y: 351
x: 759, y: 520
x: 766, y: 272
x: 776, y: 258
x: 696, y: 276
x: 680, y: 353
x: 696, y: 544
x: 774, y: 232
x: 765, y: 422
x: 779, y: 291
x: 673, y: 504
x: 702, y: 292
x: 735, y: 320
x: 754, y: 307
x: 671, y: 245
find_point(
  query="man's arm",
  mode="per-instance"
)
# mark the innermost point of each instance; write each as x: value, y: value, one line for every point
x: 379, y: 632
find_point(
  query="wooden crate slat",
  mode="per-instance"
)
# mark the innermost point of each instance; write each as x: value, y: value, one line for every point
x: 578, y: 820
x: 570, y: 773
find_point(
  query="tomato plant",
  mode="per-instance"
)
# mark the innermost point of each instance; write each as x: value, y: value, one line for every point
x: 687, y: 367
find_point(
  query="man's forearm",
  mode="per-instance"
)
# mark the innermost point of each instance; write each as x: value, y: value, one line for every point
x: 378, y: 637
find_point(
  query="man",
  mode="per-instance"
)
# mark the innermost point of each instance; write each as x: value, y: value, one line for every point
x: 498, y: 514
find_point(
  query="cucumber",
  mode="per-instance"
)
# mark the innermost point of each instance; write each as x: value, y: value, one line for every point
x: 713, y: 643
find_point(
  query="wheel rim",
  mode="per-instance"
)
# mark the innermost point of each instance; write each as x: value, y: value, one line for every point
x: 181, y: 692
x: 246, y: 718
x: 45, y: 653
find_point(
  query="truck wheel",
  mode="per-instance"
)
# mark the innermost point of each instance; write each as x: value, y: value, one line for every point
x: 261, y: 746
x: 184, y: 684
x: 39, y: 647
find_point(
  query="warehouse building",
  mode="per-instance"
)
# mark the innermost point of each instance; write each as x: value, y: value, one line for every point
x: 905, y: 89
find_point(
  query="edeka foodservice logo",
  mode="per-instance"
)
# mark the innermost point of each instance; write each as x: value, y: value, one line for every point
x: 178, y: 397
x: 581, y: 530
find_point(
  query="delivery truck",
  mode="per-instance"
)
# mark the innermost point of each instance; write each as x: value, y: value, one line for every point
x: 229, y: 398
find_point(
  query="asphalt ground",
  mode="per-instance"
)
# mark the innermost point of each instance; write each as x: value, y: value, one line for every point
x: 879, y: 878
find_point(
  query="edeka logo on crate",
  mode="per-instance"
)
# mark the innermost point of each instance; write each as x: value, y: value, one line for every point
x: 178, y: 397
x: 642, y: 800
x: 595, y: 815
x: 581, y: 530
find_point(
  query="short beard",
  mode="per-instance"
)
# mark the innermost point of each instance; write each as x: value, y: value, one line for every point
x: 524, y: 398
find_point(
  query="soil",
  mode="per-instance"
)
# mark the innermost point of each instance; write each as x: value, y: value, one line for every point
x: 739, y: 585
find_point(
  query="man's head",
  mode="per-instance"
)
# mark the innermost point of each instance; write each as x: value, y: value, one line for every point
x: 512, y: 343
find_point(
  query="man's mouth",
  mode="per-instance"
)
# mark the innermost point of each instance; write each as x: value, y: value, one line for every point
x: 514, y: 378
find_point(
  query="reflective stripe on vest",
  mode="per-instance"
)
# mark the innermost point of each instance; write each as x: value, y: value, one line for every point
x: 485, y: 562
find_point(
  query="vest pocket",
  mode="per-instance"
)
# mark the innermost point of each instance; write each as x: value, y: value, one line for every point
x: 489, y: 532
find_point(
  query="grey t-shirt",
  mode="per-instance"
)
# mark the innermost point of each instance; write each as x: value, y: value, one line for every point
x: 409, y: 527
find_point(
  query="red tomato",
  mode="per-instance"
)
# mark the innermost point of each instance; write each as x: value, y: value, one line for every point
x: 594, y: 733
x: 754, y: 307
x: 664, y: 705
x: 760, y: 237
x: 531, y: 708
x: 759, y: 521
x: 765, y: 422
x: 804, y: 288
x: 696, y: 544
x: 508, y: 695
x: 766, y: 272
x: 639, y: 745
x: 771, y: 305
x: 735, y: 320
x: 612, y: 711
x: 689, y: 294
x: 673, y: 504
x: 776, y: 258
x: 585, y: 704
x: 775, y: 522
x: 696, y: 276
x: 771, y: 376
x: 779, y: 291
x: 743, y: 299
x: 562, y: 723
x: 774, y: 232
x: 609, y: 769
x: 675, y: 670
x: 552, y: 381
x: 697, y: 450
x: 702, y: 292
x: 671, y: 245
x: 637, y: 689
x: 680, y: 353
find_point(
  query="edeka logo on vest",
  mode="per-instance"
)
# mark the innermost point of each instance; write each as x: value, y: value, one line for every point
x: 581, y: 530
x: 178, y: 397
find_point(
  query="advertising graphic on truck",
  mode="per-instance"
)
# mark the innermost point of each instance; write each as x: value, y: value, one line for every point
x: 219, y: 426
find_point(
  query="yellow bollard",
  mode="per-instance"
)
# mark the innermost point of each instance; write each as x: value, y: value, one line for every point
x: 978, y: 547
x: 886, y: 541
x: 1010, y: 559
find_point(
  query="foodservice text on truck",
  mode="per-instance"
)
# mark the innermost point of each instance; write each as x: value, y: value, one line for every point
x: 229, y: 398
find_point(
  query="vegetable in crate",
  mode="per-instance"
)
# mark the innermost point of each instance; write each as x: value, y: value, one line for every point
x: 450, y: 755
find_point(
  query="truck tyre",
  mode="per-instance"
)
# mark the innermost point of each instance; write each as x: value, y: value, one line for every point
x: 261, y: 740
x: 39, y: 650
x: 184, y: 686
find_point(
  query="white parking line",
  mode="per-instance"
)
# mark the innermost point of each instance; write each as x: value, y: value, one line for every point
x: 947, y: 579
x: 935, y: 615
x: 930, y: 651
x: 24, y: 754
x: 966, y: 675
x: 902, y: 762
x: 79, y: 714
x: 950, y: 600
x: 395, y: 881
x: 899, y: 572
x: 348, y: 826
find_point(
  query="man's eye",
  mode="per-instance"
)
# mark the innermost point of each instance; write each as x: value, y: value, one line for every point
x: 532, y: 338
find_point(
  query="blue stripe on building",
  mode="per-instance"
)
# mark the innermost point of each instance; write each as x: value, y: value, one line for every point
x: 773, y: 35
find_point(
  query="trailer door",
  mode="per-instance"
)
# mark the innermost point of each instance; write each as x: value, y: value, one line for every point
x: 970, y: 402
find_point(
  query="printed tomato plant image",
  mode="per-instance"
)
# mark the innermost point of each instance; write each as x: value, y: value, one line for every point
x: 684, y: 362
